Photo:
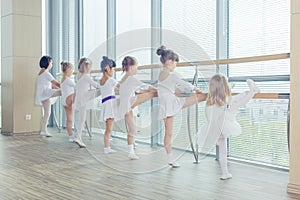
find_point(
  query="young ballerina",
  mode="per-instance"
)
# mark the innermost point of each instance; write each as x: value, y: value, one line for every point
x: 46, y: 92
x: 169, y: 82
x: 67, y: 94
x: 84, y: 97
x: 129, y: 85
x: 108, y: 85
x: 221, y: 110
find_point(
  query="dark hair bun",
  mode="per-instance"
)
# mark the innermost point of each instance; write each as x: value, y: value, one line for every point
x: 125, y: 62
x: 107, y: 62
x: 113, y: 64
x: 161, y: 50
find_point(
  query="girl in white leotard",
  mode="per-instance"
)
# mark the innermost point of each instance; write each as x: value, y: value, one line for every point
x: 67, y: 94
x: 108, y: 85
x: 129, y: 85
x: 84, y: 97
x: 221, y: 110
x: 170, y: 104
x: 46, y: 91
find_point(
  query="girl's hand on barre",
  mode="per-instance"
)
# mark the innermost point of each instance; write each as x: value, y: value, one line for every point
x: 197, y: 90
x: 178, y: 91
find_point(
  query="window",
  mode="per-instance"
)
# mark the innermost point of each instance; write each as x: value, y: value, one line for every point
x: 94, y: 30
x: 261, y: 28
x: 189, y: 28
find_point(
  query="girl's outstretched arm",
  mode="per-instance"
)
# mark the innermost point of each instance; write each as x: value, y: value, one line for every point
x: 55, y: 84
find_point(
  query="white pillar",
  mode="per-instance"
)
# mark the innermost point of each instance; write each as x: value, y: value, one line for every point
x: 21, y: 48
x: 294, y: 183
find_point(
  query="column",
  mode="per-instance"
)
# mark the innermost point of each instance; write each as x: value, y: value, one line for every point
x: 156, y: 36
x: 21, y: 50
x: 294, y: 182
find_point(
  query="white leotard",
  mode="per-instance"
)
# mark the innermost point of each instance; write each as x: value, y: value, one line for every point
x: 67, y: 89
x: 109, y: 104
x: 127, y: 94
x: 44, y: 88
x: 84, y: 97
x: 169, y: 103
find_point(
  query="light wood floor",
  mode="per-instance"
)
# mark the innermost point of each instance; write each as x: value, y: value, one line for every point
x: 33, y: 167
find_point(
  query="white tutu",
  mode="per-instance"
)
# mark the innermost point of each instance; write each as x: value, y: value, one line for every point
x: 169, y: 103
x: 109, y: 110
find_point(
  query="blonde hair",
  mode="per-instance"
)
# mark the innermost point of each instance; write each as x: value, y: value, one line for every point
x: 84, y: 65
x: 219, y: 91
x: 65, y: 66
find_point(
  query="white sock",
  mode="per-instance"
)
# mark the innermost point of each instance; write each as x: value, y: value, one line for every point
x: 170, y: 158
x: 106, y: 149
x: 222, y: 142
x: 131, y: 148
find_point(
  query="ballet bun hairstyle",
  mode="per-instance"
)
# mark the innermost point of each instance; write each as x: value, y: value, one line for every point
x: 106, y: 62
x: 127, y: 62
x: 84, y: 65
x: 45, y: 61
x: 166, y: 54
x: 65, y: 66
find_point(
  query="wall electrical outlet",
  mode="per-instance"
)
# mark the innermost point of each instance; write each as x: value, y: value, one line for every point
x: 28, y: 117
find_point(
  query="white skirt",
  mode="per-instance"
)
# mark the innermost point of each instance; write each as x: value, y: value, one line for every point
x: 109, y: 110
x: 169, y: 105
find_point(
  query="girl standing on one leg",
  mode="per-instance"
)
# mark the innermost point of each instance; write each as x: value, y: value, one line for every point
x: 170, y: 104
x: 67, y: 93
x: 221, y: 110
x: 47, y: 88
x: 129, y: 86
x: 84, y: 97
x: 108, y: 85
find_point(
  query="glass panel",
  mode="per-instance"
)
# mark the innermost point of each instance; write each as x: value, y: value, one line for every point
x: 264, y: 132
x: 133, y: 38
x: 94, y: 30
x: 133, y: 35
x: 189, y: 28
x: 258, y: 27
x: 261, y: 28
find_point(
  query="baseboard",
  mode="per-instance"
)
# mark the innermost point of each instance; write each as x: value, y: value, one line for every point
x: 293, y: 189
x: 7, y: 133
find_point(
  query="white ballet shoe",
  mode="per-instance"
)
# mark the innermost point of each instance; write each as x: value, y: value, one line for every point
x: 71, y: 139
x: 226, y: 176
x: 46, y: 134
x: 133, y: 156
x: 174, y: 164
x: 109, y: 151
x: 253, y: 87
x: 80, y: 144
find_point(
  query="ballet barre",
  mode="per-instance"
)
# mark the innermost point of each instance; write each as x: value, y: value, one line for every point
x: 208, y: 62
x: 218, y: 62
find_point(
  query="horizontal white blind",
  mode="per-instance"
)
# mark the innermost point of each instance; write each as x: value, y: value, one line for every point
x: 189, y: 28
x: 261, y: 27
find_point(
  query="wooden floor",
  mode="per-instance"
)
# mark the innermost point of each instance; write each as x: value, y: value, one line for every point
x: 33, y: 167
